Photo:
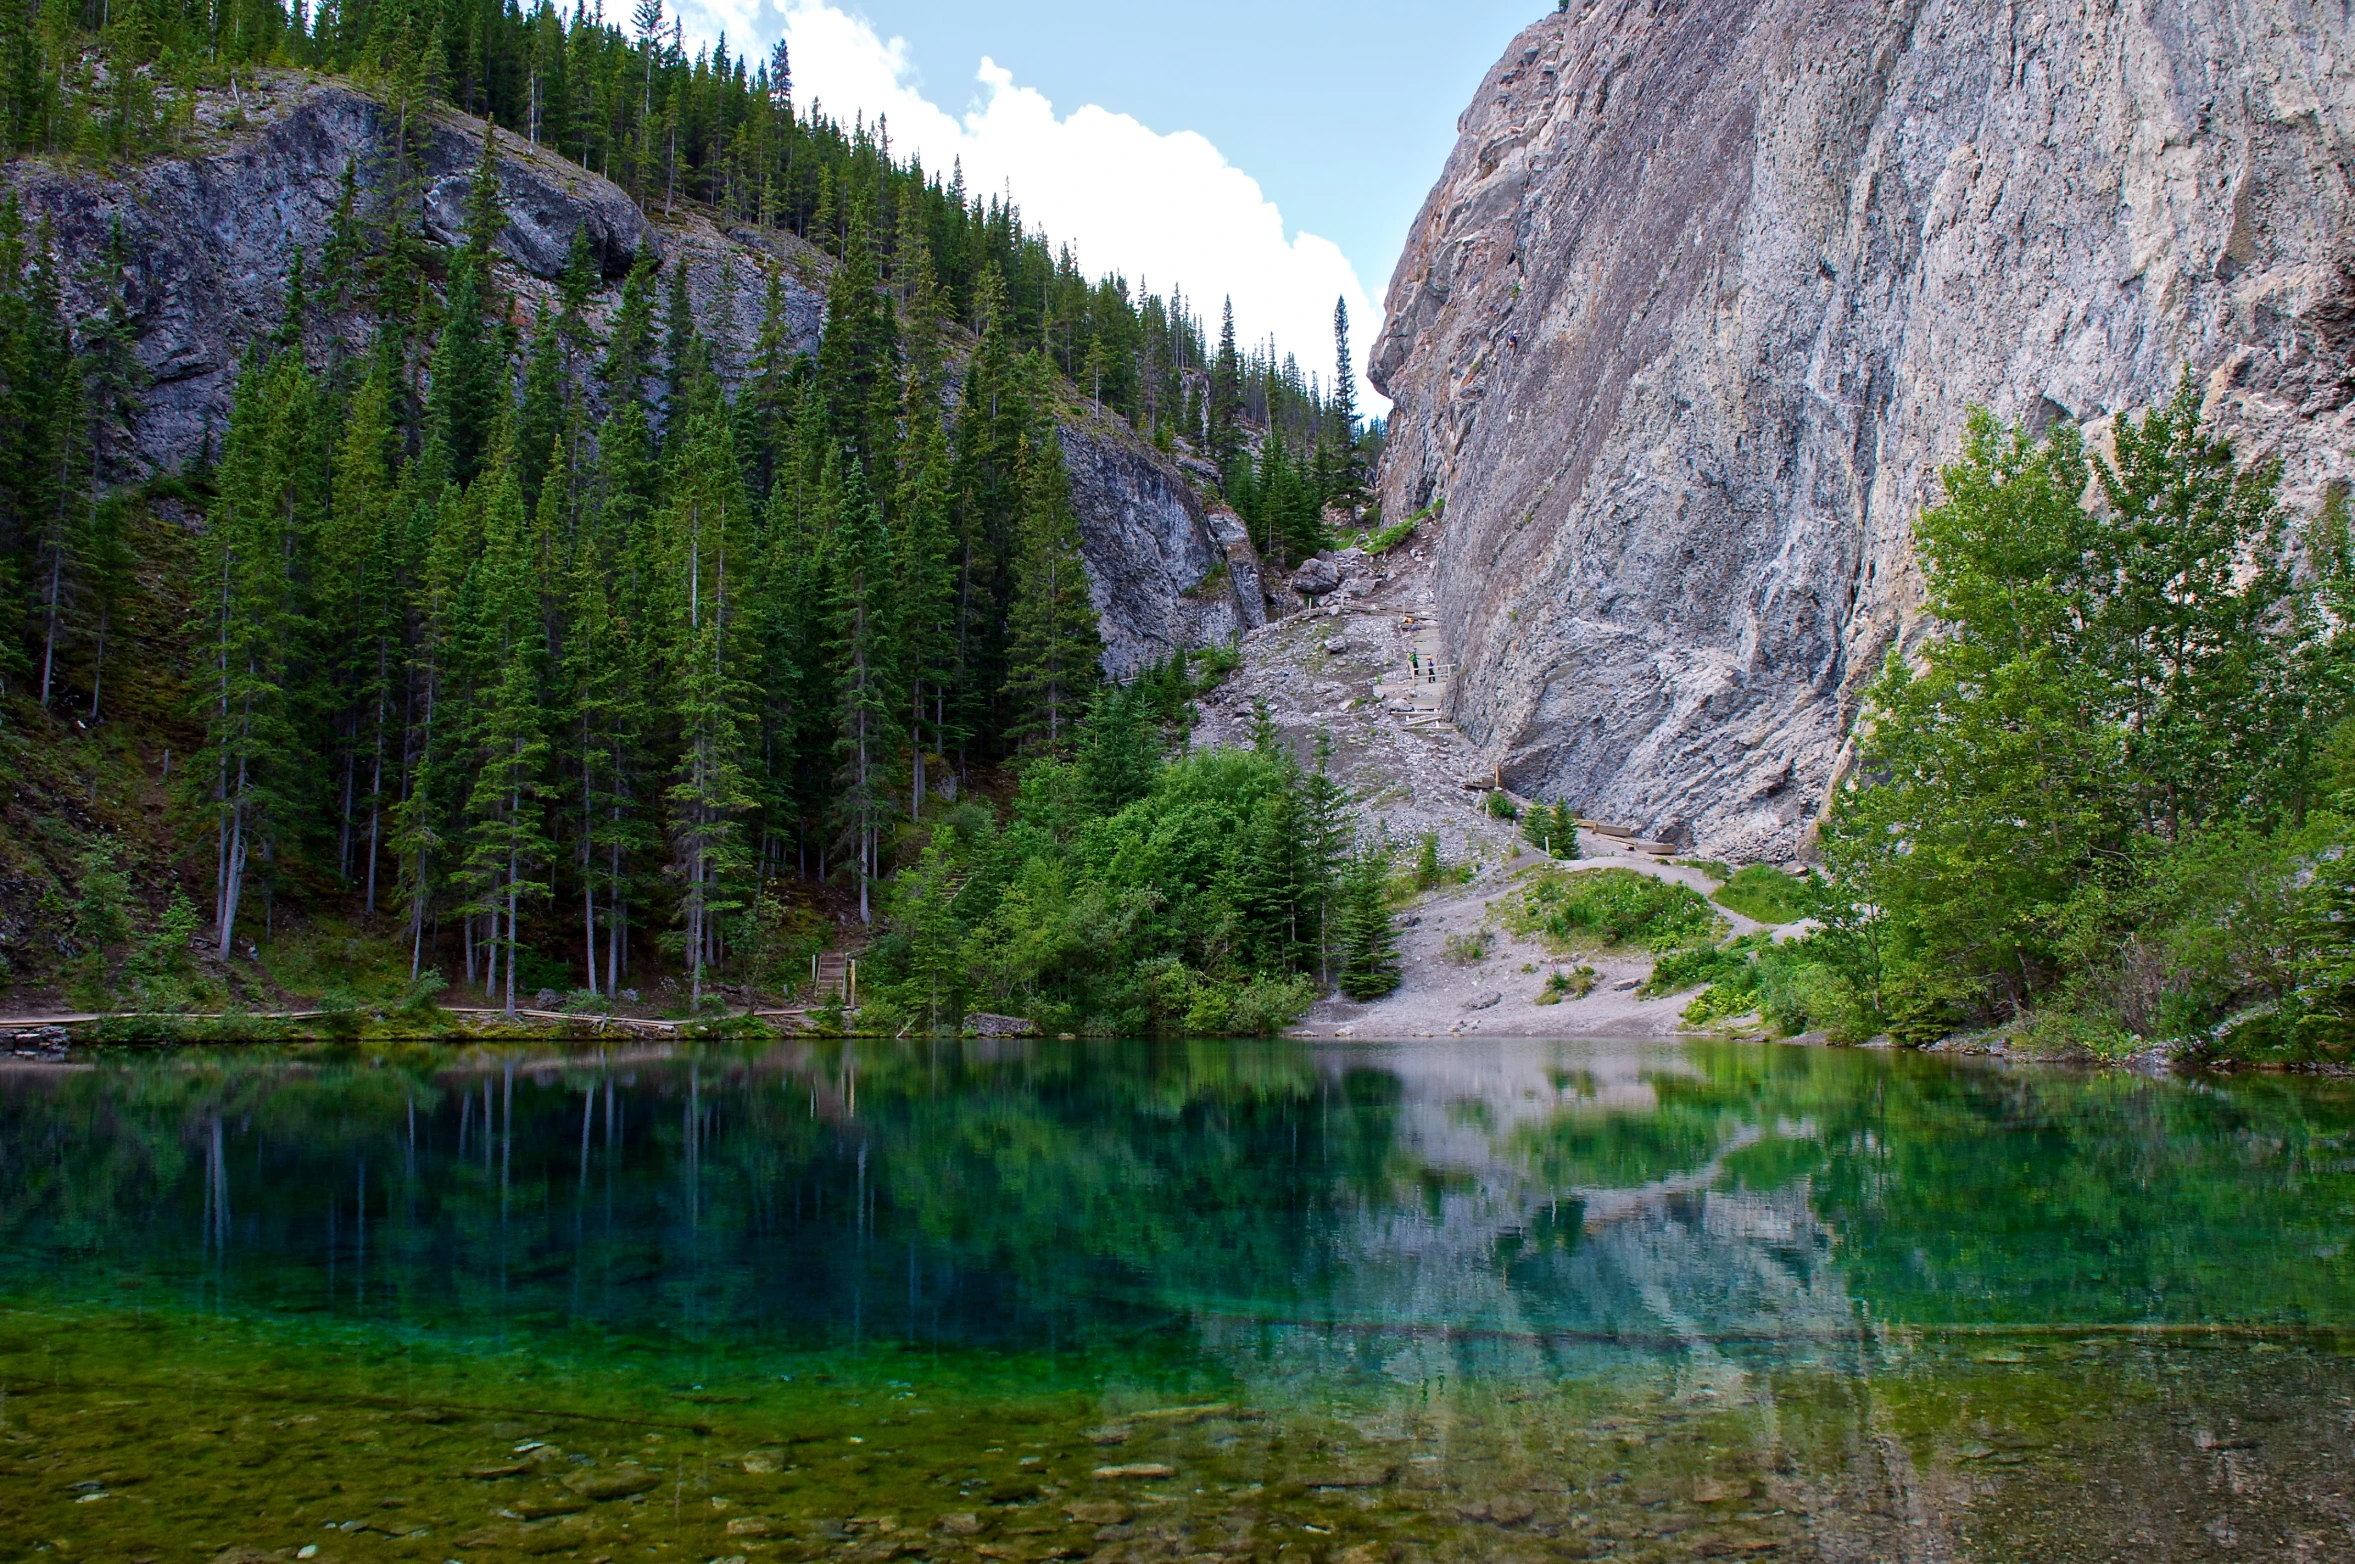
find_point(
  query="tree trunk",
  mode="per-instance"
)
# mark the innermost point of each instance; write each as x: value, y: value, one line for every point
x: 98, y: 668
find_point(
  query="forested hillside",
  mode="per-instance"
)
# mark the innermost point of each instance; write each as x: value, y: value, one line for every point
x: 538, y: 644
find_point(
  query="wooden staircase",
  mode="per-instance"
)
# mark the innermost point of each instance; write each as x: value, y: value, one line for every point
x: 834, y: 978
x: 1423, y: 683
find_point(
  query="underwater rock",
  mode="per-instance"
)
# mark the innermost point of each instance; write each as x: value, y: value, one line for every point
x: 605, y: 1486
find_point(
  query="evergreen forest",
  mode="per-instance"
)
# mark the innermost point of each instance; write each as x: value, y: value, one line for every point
x: 564, y: 656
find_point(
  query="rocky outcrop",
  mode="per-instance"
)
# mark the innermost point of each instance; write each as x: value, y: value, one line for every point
x: 1165, y: 572
x: 211, y: 234
x: 1706, y: 290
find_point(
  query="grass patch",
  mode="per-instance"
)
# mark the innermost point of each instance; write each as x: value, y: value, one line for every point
x: 1766, y: 894
x: 334, y: 962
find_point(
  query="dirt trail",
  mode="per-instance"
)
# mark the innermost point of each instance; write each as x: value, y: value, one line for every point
x: 1363, y: 667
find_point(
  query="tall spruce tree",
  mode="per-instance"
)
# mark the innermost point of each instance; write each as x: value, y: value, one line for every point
x: 1347, y: 486
x: 866, y: 705
x: 1057, y: 645
x: 706, y: 664
x: 251, y: 772
x: 506, y: 839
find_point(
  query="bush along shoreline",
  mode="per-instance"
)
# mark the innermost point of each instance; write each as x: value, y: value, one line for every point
x: 2104, y: 810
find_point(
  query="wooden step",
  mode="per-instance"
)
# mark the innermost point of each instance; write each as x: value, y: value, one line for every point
x: 833, y: 976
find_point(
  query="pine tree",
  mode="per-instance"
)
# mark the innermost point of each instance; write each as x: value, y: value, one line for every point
x: 547, y: 395
x: 709, y: 796
x: 1269, y: 879
x: 604, y: 672
x: 865, y: 702
x: 506, y: 839
x: 856, y: 354
x: 465, y: 375
x: 1057, y: 647
x: 252, y: 763
x: 1365, y: 937
x: 1324, y: 855
x: 764, y: 405
x: 58, y: 483
x: 355, y: 604
x: 1120, y: 751
x: 1226, y: 399
x: 924, y: 544
x: 1347, y: 484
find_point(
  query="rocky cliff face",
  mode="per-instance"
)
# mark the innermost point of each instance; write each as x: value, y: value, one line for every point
x: 211, y: 235
x: 1165, y: 572
x: 1706, y: 289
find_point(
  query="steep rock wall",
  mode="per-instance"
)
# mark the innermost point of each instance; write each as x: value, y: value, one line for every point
x: 210, y: 235
x: 1706, y: 289
x: 1165, y: 572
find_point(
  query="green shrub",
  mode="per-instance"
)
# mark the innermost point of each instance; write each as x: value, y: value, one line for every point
x: 421, y: 995
x: 1560, y: 985
x: 1720, y: 1002
x: 1613, y: 906
x: 1384, y: 539
x: 102, y: 916
x: 1764, y: 893
x: 1501, y: 805
x: 1698, y: 964
x: 1471, y: 949
x: 1213, y: 663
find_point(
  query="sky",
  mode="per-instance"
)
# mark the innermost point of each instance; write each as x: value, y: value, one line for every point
x: 1276, y: 151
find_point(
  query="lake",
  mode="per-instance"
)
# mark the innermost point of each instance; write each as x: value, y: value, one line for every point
x: 1333, y: 1304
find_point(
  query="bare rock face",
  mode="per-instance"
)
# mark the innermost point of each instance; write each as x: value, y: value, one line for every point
x: 212, y: 232
x: 1704, y: 294
x: 1166, y: 574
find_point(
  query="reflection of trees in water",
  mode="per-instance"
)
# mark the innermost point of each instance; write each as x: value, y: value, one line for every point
x: 1015, y: 1194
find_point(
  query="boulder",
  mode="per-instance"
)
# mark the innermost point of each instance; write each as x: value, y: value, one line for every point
x: 1315, y: 577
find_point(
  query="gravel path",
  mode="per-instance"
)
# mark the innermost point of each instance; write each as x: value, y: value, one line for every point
x: 1357, y: 668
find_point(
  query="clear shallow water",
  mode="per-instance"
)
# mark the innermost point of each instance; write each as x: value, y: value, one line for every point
x: 1327, y: 1304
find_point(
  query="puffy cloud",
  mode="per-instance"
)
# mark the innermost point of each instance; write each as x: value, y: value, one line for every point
x: 1161, y: 209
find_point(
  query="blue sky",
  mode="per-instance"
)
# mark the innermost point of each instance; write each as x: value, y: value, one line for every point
x: 1272, y: 149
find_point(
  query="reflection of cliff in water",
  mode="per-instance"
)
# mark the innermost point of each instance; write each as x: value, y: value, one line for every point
x: 1560, y: 1211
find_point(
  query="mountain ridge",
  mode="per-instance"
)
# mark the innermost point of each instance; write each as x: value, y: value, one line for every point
x: 212, y: 229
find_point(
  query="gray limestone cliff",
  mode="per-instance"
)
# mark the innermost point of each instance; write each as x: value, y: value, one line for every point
x: 1705, y: 291
x: 211, y: 232
x: 1166, y: 572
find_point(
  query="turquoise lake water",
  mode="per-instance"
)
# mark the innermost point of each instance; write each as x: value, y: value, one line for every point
x: 1332, y: 1304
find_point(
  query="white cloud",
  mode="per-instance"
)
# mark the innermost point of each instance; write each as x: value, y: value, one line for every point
x: 1160, y: 209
